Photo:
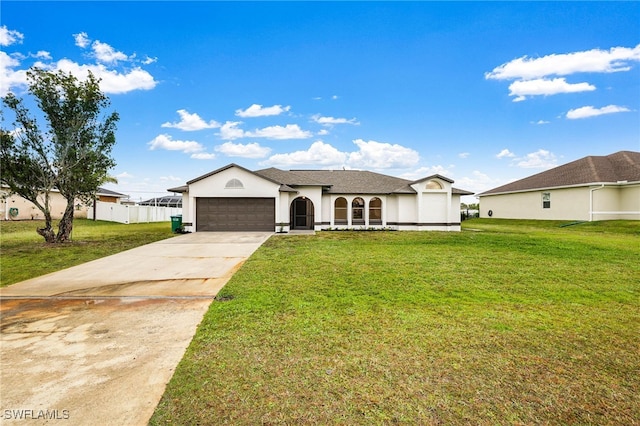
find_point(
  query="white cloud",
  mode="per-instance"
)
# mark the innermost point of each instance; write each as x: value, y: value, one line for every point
x: 290, y: 131
x: 82, y: 39
x: 505, y: 153
x: 164, y: 141
x: 370, y: 155
x: 43, y: 54
x: 427, y: 171
x: 229, y: 131
x: 319, y: 153
x: 256, y: 110
x: 477, y: 182
x: 537, y: 87
x: 250, y: 150
x: 111, y: 80
x: 323, y: 132
x: 8, y: 76
x: 191, y: 122
x: 590, y: 111
x: 203, y: 156
x: 615, y: 59
x: 541, y: 159
x: 170, y: 178
x: 380, y: 155
x: 329, y: 121
x: 9, y: 37
x: 106, y: 54
x: 540, y: 122
x: 124, y: 175
x: 464, y: 155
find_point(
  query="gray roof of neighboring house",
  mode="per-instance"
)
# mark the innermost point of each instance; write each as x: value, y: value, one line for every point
x: 179, y: 189
x: 618, y: 167
x: 332, y: 181
x: 99, y: 191
x: 110, y: 193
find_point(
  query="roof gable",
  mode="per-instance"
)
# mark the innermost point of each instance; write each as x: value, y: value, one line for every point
x: 221, y: 169
x: 436, y: 176
x: 618, y: 167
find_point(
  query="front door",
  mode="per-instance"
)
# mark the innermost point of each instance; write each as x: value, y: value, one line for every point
x: 302, y: 216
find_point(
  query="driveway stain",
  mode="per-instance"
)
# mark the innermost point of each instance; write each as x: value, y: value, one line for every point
x: 99, y: 344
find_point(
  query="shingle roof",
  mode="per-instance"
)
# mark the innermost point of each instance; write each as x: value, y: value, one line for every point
x: 617, y: 167
x: 341, y: 181
x: 108, y: 192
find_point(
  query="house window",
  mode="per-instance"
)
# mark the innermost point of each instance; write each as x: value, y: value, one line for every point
x: 357, y: 211
x: 375, y: 211
x: 234, y: 184
x: 340, y: 207
x: 432, y: 184
x: 546, y: 200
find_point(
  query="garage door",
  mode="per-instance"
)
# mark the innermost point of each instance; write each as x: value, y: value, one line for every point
x: 235, y: 214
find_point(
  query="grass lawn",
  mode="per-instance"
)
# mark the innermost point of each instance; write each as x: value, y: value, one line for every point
x: 24, y: 254
x: 507, y: 322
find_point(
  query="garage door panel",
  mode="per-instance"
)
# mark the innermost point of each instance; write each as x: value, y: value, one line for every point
x: 235, y: 214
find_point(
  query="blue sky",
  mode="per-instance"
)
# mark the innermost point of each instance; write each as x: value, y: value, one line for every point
x: 481, y: 92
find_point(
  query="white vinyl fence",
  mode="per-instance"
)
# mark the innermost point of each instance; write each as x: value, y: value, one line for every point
x: 113, y: 212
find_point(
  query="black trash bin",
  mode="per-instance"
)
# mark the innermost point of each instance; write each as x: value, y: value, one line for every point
x: 176, y: 223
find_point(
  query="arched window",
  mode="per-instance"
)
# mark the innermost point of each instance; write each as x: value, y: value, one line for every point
x: 432, y: 184
x: 340, y: 214
x: 234, y: 184
x: 357, y: 211
x: 375, y: 211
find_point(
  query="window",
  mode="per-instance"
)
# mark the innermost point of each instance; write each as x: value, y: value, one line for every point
x: 546, y: 200
x: 375, y: 211
x: 432, y: 184
x: 234, y: 184
x: 340, y: 215
x: 357, y: 211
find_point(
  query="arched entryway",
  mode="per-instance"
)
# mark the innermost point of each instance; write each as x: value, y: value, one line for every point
x: 301, y: 214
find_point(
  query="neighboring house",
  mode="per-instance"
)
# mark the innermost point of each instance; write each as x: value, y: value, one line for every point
x: 14, y: 207
x: 591, y: 188
x: 166, y: 201
x: 233, y: 198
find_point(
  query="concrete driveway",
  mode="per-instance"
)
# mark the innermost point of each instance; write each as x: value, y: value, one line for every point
x: 97, y: 343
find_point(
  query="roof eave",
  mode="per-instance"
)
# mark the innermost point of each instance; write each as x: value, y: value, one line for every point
x: 546, y: 188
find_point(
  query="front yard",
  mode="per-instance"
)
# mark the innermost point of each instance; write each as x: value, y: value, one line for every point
x: 513, y: 322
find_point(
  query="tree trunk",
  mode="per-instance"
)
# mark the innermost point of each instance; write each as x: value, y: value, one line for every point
x: 47, y: 232
x: 66, y: 224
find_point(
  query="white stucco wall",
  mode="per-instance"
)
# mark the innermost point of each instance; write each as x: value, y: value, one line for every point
x: 630, y: 198
x: 617, y: 202
x: 215, y: 186
x: 594, y: 202
x: 566, y: 204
